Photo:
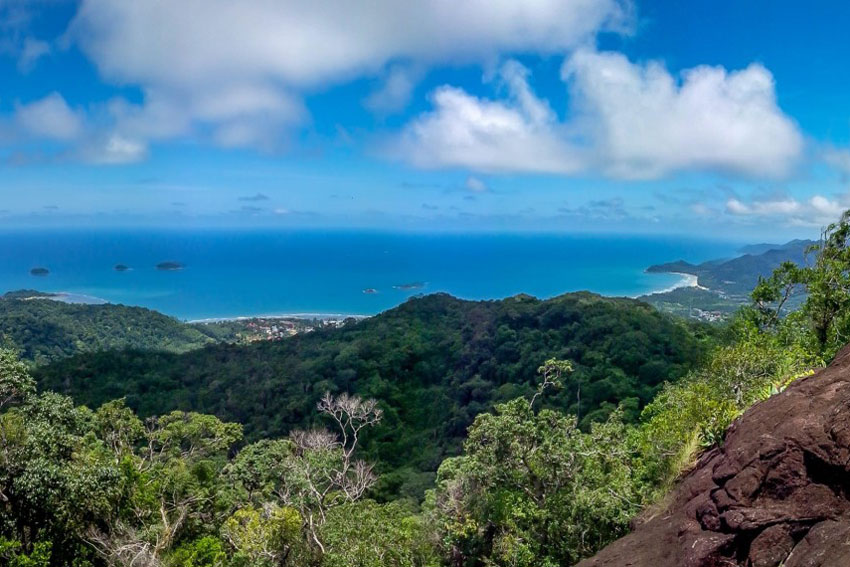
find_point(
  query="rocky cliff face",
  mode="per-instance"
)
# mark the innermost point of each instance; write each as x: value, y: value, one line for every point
x: 776, y: 494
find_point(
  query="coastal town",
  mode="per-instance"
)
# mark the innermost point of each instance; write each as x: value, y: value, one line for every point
x: 256, y: 329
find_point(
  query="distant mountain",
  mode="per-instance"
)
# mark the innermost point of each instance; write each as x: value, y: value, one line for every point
x: 724, y: 284
x: 764, y: 247
x: 736, y: 277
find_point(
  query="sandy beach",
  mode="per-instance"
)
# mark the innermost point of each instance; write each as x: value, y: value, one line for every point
x: 687, y: 280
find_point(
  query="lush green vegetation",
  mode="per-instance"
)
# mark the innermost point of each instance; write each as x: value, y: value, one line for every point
x: 434, y: 363
x: 529, y: 487
x: 83, y: 488
x: 45, y: 330
x: 694, y: 303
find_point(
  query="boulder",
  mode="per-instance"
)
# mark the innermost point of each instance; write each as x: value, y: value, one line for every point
x: 776, y: 494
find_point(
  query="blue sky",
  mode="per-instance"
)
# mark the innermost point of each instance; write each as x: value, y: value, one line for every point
x: 699, y: 117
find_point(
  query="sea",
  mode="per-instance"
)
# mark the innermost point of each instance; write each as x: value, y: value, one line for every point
x: 237, y: 273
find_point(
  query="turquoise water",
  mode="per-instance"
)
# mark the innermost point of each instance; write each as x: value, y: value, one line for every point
x: 234, y: 273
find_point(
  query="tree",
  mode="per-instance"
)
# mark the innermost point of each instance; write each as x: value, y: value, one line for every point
x: 16, y: 384
x: 828, y: 285
x: 368, y: 534
x: 171, y: 483
x: 304, y: 477
x: 532, y: 489
x: 771, y: 294
x: 326, y: 474
x: 551, y: 373
x: 264, y: 536
x: 56, y: 479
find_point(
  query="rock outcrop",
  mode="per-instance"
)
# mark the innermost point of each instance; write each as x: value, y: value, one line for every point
x: 776, y: 494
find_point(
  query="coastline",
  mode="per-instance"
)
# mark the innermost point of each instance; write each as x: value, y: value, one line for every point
x: 83, y: 299
x: 687, y: 280
x: 302, y: 316
x: 70, y: 298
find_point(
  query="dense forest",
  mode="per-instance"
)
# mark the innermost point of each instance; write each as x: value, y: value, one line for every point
x: 538, y: 480
x: 433, y: 363
x: 43, y: 330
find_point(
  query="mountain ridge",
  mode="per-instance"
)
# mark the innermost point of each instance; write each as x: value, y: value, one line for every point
x: 434, y: 363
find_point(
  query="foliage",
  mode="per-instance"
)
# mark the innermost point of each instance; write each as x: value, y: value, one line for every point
x: 696, y: 411
x: 532, y: 489
x: 828, y: 286
x: 548, y: 472
x: 263, y: 537
x: 368, y: 534
x: 46, y: 330
x: 85, y: 488
x: 434, y: 363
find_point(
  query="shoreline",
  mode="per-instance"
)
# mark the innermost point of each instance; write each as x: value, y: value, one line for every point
x: 687, y: 280
x: 300, y: 316
x: 83, y: 299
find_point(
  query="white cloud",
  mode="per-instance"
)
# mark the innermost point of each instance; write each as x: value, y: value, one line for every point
x: 648, y: 123
x: 206, y: 42
x: 817, y: 211
x: 518, y: 134
x: 31, y: 52
x: 626, y: 121
x: 702, y: 210
x: 114, y: 150
x: 736, y: 207
x: 395, y: 91
x: 772, y: 207
x: 241, y: 115
x: 475, y: 185
x: 77, y: 136
x: 235, y: 71
x: 829, y: 208
x: 49, y: 118
x: 838, y: 158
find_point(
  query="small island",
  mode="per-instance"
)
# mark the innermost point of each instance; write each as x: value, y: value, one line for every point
x: 410, y: 286
x: 370, y: 290
x: 121, y: 268
x: 169, y: 266
x: 39, y: 272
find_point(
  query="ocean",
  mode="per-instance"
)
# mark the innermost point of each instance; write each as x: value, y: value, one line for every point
x: 230, y: 273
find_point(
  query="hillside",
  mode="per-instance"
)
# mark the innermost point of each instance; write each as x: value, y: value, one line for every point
x: 765, y: 247
x: 724, y: 285
x: 736, y: 277
x: 776, y: 493
x: 433, y: 363
x: 44, y: 330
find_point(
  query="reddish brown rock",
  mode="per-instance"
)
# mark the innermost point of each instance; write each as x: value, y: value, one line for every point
x: 772, y: 546
x: 777, y: 493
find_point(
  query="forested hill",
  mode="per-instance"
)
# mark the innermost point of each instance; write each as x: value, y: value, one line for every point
x: 433, y: 364
x: 45, y: 330
x: 737, y: 277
